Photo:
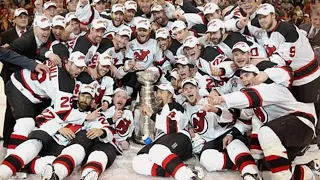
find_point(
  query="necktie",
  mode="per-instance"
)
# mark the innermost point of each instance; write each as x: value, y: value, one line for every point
x: 313, y: 33
x: 22, y: 32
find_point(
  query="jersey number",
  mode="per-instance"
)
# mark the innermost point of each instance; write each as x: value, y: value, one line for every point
x: 292, y: 51
x: 66, y: 101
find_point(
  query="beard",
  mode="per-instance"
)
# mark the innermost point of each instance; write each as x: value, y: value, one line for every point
x: 82, y: 106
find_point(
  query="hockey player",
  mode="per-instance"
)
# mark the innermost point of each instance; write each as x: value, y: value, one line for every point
x: 104, y: 152
x: 116, y: 22
x: 129, y: 15
x: 72, y: 30
x: 168, y: 45
x: 207, y: 59
x: 283, y: 118
x: 164, y: 157
x: 49, y: 138
x: 212, y: 11
x: 26, y: 89
x: 98, y: 78
x: 294, y: 50
x: 224, y: 41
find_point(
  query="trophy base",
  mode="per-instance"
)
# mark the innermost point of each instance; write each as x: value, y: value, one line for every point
x: 138, y: 139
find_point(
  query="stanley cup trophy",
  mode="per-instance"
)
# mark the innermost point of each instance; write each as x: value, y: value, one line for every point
x: 144, y: 126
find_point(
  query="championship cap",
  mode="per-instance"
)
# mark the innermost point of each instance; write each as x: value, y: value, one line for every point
x: 177, y: 26
x: 70, y: 16
x: 242, y: 46
x: 117, y: 7
x: 130, y: 5
x: 125, y: 31
x: 20, y: 11
x: 265, y: 9
x: 191, y: 42
x: 181, y: 59
x: 162, y: 33
x: 99, y: 23
x: 85, y: 88
x: 156, y: 8
x: 78, y: 58
x: 42, y: 22
x: 49, y: 4
x: 165, y: 87
x: 105, y: 59
x: 247, y: 68
x: 192, y: 81
x: 143, y: 23
x: 120, y: 89
x: 214, y: 25
x: 58, y: 21
x: 210, y: 8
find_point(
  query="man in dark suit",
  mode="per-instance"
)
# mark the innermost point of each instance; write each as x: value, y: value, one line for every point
x: 21, y: 18
x: 313, y: 28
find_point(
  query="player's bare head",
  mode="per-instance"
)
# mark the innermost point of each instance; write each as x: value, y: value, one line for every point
x: 117, y: 14
x: 123, y: 36
x: 248, y: 6
x: 247, y: 74
x: 212, y: 11
x: 184, y: 67
x: 120, y: 98
x: 216, y: 31
x: 130, y: 10
x: 72, y: 5
x: 179, y: 31
x: 42, y: 28
x: 104, y: 64
x: 76, y: 64
x: 266, y: 16
x: 164, y: 94
x: 163, y: 38
x: 192, y: 48
x: 190, y: 87
x: 241, y: 54
x: 145, y: 5
x: 143, y: 30
x: 315, y: 16
x: 85, y: 97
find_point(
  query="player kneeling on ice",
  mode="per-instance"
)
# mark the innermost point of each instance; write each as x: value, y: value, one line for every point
x: 50, y: 137
x: 210, y: 130
x: 104, y: 139
x: 164, y: 157
x: 288, y: 125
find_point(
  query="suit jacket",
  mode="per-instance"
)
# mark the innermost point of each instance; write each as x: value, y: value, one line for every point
x: 315, y: 41
x: 9, y: 36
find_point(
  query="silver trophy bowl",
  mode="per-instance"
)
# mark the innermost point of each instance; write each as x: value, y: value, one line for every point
x: 144, y: 126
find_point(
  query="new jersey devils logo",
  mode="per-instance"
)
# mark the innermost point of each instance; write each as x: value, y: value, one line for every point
x: 270, y: 49
x: 199, y: 122
x: 122, y: 127
x: 261, y: 114
x: 141, y: 54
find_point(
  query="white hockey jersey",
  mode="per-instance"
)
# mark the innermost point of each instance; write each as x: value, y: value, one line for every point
x: 207, y: 124
x: 269, y: 105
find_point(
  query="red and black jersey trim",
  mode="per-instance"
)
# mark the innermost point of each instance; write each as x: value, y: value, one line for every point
x: 298, y: 173
x: 14, y: 162
x: 254, y: 97
x: 66, y: 161
x: 306, y: 70
x: 308, y: 116
x: 278, y: 163
x: 172, y: 164
x: 254, y: 143
x: 288, y: 69
x: 172, y: 126
x: 94, y: 165
x: 20, y: 77
x: 244, y: 159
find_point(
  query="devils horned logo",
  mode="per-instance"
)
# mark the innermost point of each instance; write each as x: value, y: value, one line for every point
x: 199, y: 122
x: 122, y: 127
x: 141, y: 54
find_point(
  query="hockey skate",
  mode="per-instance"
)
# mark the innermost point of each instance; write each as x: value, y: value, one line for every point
x: 314, y: 165
x: 92, y: 175
x: 48, y: 173
x: 197, y: 170
x: 248, y: 176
